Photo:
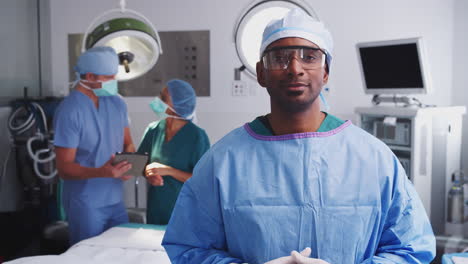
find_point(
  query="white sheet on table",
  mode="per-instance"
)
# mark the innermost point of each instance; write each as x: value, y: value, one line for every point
x: 116, y: 245
x: 460, y: 260
x: 122, y: 237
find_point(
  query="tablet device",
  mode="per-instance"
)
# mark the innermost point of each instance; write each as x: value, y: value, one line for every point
x: 137, y: 160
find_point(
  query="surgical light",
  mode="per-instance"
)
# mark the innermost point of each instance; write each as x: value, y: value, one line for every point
x: 133, y: 37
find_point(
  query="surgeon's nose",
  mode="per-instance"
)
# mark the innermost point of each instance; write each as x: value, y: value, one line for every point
x: 295, y: 67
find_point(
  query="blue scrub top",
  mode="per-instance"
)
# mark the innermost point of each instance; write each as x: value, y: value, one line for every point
x: 182, y: 152
x: 96, y: 134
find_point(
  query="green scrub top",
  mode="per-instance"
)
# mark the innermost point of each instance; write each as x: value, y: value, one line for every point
x: 329, y: 123
x: 182, y: 152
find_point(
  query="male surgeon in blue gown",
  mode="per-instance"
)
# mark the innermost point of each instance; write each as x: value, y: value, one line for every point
x: 91, y: 124
x: 298, y: 179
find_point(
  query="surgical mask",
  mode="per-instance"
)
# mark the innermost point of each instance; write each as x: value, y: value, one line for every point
x: 108, y: 88
x: 159, y: 108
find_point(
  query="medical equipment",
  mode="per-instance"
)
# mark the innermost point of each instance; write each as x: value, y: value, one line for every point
x: 456, y: 199
x: 427, y: 142
x: 11, y: 189
x: 42, y: 157
x: 137, y: 160
x: 28, y: 189
x: 247, y: 34
x: 394, y: 66
x: 133, y: 37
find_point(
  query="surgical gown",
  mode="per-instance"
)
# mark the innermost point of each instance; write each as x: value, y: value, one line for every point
x: 343, y: 193
x: 182, y: 152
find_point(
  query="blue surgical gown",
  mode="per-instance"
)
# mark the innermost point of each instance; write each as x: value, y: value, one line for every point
x: 181, y: 152
x: 96, y: 134
x: 253, y: 198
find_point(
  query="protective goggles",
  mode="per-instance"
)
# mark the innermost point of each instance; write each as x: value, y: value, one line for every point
x: 278, y: 58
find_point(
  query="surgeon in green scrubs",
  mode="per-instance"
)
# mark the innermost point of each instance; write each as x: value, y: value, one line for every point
x: 175, y: 144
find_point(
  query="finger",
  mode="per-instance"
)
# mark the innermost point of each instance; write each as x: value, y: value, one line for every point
x: 121, y: 164
x: 110, y: 161
x: 152, y: 173
x: 126, y: 167
x: 122, y: 170
x: 306, y: 252
x: 160, y: 180
x: 282, y: 260
x: 126, y: 177
x: 297, y: 256
x: 152, y: 165
x: 151, y: 180
x: 155, y: 182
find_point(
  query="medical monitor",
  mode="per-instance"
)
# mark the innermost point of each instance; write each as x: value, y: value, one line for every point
x: 394, y: 67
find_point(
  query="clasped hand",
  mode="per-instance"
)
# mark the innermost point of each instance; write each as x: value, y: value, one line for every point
x: 298, y: 258
x: 155, y: 171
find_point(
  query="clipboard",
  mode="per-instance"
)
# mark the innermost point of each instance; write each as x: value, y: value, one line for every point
x: 137, y: 160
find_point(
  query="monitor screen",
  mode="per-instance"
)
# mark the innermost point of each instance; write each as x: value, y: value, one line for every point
x: 393, y: 67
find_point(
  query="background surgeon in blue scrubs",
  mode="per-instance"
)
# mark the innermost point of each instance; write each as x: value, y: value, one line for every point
x: 91, y: 124
x: 298, y: 179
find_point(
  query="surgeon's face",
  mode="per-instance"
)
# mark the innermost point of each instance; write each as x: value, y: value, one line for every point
x: 166, y: 98
x: 95, y: 81
x: 293, y: 89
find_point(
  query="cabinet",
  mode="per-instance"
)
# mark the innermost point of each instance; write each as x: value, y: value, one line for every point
x: 427, y: 141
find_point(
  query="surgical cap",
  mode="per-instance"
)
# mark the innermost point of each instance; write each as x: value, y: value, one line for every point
x: 183, y: 97
x: 99, y: 61
x: 297, y: 23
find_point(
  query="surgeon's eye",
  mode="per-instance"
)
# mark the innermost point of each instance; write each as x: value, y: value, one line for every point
x: 278, y: 56
x: 309, y: 59
x: 280, y: 59
x: 310, y: 56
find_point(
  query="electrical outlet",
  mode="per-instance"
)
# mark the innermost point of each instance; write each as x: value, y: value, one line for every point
x: 239, y: 88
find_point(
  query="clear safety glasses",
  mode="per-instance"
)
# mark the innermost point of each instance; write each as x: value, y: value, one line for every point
x: 278, y: 58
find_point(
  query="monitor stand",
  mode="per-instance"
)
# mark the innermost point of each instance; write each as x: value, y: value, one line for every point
x: 407, y: 101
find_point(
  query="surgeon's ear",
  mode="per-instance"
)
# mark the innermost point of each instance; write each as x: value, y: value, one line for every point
x: 261, y: 74
x: 325, y: 77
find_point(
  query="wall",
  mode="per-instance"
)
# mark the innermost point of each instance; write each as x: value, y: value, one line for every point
x: 19, y: 49
x: 460, y: 80
x: 349, y: 21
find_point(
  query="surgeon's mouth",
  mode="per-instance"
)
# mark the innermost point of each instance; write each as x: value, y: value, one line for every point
x: 295, y: 89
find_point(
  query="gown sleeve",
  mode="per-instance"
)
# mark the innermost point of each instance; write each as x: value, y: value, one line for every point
x: 407, y: 235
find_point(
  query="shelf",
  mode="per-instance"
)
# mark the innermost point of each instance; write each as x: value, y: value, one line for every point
x: 400, y: 148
